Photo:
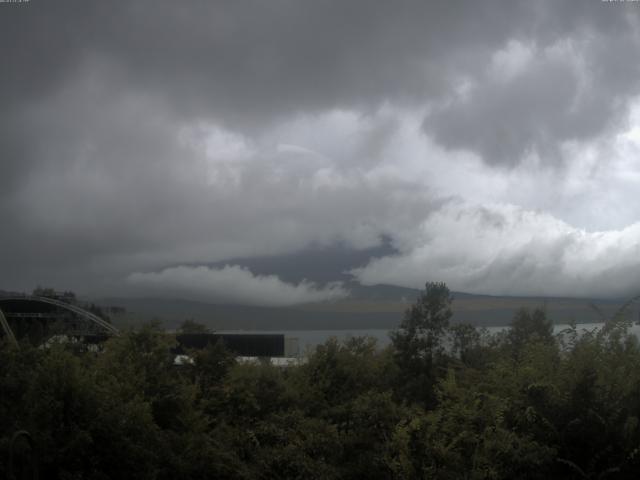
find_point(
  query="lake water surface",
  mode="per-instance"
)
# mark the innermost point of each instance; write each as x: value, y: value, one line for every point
x: 309, y: 339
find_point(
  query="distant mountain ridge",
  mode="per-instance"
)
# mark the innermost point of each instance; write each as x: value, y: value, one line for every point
x: 375, y: 307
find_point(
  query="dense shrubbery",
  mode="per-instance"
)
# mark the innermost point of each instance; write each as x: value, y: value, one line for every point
x: 440, y: 402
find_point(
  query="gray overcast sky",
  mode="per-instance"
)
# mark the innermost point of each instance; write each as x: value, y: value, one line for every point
x: 147, y: 145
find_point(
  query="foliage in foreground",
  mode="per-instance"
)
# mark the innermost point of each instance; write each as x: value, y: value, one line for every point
x: 446, y: 402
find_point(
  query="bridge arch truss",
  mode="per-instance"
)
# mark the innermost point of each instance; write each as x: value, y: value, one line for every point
x: 92, y: 319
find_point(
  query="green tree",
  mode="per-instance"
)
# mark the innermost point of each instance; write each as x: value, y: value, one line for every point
x: 419, y: 342
x: 466, y: 343
x: 530, y: 327
x: 191, y: 326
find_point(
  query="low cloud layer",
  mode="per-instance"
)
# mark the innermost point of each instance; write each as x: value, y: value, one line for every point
x: 505, y: 250
x: 231, y: 284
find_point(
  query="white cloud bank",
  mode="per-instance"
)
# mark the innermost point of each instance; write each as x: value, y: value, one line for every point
x: 508, y: 250
x: 232, y: 284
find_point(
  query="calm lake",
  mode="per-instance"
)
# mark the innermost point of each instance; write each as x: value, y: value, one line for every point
x: 309, y: 339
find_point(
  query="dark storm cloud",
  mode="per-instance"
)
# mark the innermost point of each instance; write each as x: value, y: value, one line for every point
x: 114, y: 188
x: 320, y: 265
x: 252, y: 57
x: 575, y: 89
x: 100, y: 176
x: 246, y: 62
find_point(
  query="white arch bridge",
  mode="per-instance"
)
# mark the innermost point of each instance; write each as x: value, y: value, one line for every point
x: 63, y: 319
